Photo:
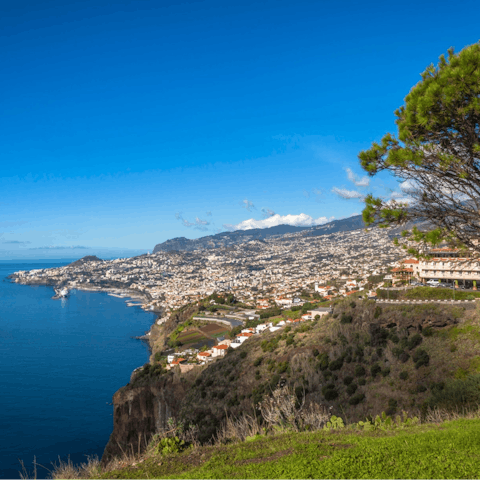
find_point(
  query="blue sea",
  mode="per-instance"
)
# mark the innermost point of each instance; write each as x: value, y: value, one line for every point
x: 61, y: 363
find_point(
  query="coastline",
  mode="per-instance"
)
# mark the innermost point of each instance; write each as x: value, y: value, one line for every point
x: 141, y: 299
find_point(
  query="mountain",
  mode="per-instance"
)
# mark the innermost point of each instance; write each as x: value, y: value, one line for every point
x: 88, y: 258
x: 226, y: 239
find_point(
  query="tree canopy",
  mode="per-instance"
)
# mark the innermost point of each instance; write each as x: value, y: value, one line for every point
x: 436, y: 155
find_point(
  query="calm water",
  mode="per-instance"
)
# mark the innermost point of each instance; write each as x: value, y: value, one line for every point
x: 61, y: 363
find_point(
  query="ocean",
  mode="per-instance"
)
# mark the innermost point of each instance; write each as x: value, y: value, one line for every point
x: 61, y: 363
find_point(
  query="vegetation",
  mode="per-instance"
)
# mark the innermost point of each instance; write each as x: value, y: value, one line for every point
x: 379, y: 448
x: 436, y: 153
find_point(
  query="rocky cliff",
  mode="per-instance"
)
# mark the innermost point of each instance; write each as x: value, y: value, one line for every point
x: 139, y: 412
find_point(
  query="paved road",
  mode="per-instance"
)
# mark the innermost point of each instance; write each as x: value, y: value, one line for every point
x: 231, y: 321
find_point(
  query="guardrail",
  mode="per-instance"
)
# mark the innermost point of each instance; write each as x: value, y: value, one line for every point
x: 413, y: 302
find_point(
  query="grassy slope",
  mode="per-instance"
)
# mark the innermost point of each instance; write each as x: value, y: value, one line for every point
x: 448, y: 450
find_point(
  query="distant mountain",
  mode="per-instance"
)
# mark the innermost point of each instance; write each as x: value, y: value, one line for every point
x: 88, y: 258
x: 226, y: 239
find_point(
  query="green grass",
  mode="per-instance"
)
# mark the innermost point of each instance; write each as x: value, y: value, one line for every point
x: 428, y: 293
x: 448, y: 450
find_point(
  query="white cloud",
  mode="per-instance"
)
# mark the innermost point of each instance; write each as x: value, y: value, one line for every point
x: 301, y: 220
x: 267, y: 212
x: 199, y: 221
x: 247, y: 204
x: 359, y: 182
x: 347, y: 194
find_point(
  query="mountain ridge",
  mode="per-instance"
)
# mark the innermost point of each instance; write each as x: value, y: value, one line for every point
x: 226, y: 239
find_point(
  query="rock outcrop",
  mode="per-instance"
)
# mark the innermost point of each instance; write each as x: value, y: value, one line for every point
x: 140, y: 412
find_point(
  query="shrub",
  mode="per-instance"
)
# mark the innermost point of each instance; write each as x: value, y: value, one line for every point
x: 427, y: 332
x: 282, y: 367
x: 375, y: 370
x: 378, y: 312
x: 315, y: 352
x: 456, y: 394
x: 394, y: 338
x: 356, y: 399
x: 379, y: 336
x: 359, y: 352
x: 404, y: 357
x: 336, y: 364
x: 392, y: 407
x: 329, y: 392
x: 379, y: 352
x: 323, y: 361
x: 353, y: 304
x: 274, y: 380
x: 386, y: 372
x: 345, y: 319
x: 258, y: 361
x: 362, y: 381
x: 327, y: 374
x: 348, y: 380
x: 415, y: 341
x: 168, y: 446
x: 403, y: 375
x: 243, y: 354
x: 360, y: 371
x: 397, y: 351
x: 351, y: 389
x: 421, y: 358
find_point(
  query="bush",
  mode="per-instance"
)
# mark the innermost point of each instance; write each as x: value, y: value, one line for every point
x: 348, y: 380
x: 456, y: 395
x: 392, y: 407
x: 360, y: 371
x: 356, y: 399
x: 336, y: 364
x: 403, y: 375
x: 427, y: 332
x: 386, y: 372
x: 282, y: 367
x: 394, y: 338
x: 329, y: 392
x: 362, y: 381
x: 323, y: 361
x: 421, y: 358
x: 258, y: 361
x: 404, y: 357
x: 415, y: 341
x: 346, y: 319
x: 243, y: 354
x: 379, y: 336
x: 351, y: 389
x: 378, y: 312
x: 359, y: 351
x: 375, y: 370
x: 274, y: 381
x: 315, y: 352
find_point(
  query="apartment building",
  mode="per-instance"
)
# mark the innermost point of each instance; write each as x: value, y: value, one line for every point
x: 446, y: 265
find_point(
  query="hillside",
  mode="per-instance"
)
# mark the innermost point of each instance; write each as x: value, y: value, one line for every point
x: 431, y: 450
x: 359, y: 362
x: 226, y: 239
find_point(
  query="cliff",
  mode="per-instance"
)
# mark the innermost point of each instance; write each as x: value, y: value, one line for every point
x: 139, y: 412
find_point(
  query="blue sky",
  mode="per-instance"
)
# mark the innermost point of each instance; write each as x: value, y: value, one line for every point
x: 126, y: 123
